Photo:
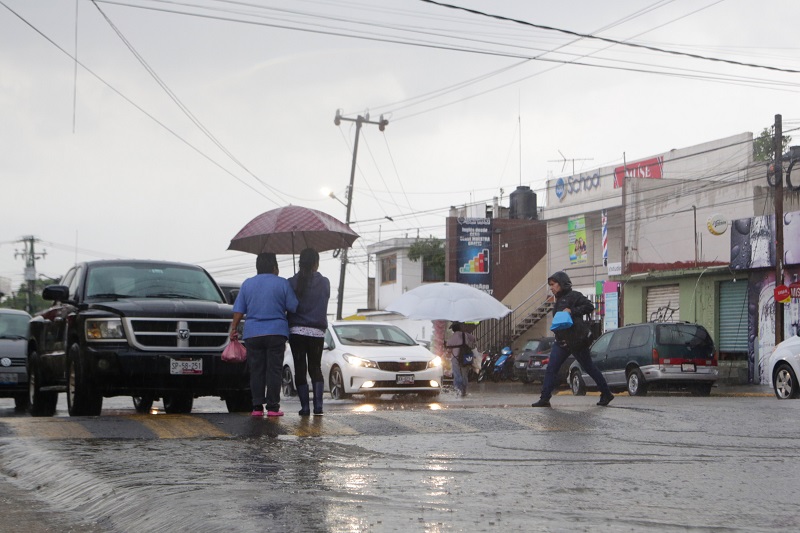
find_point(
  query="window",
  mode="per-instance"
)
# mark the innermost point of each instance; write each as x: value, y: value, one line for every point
x: 389, y: 269
x: 621, y: 340
x: 641, y: 336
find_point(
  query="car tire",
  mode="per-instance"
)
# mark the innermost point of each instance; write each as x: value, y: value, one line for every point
x: 702, y: 389
x: 143, y: 404
x: 784, y: 382
x: 238, y: 402
x: 21, y: 402
x: 637, y: 386
x: 178, y: 403
x: 40, y: 403
x: 576, y: 383
x: 82, y: 399
x: 287, y: 383
x: 337, y: 384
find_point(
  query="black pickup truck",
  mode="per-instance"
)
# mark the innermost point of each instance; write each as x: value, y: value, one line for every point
x: 146, y: 329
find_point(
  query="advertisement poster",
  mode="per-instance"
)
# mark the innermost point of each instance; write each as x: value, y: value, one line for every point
x: 576, y: 228
x: 611, y: 298
x: 474, y: 253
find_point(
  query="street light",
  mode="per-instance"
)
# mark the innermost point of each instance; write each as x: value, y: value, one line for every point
x: 329, y: 193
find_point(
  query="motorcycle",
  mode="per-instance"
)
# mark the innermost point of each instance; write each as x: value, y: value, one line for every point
x: 487, y: 364
x: 503, y: 368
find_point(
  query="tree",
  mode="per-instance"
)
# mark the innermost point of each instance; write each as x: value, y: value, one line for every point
x: 431, y: 251
x: 763, y: 150
x: 19, y: 299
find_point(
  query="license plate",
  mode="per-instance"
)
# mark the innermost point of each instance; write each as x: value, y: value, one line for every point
x: 405, y: 379
x: 186, y: 367
x: 688, y: 367
x: 521, y: 364
x: 537, y: 363
x: 9, y: 378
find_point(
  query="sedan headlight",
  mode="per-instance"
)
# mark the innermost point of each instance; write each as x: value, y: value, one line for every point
x: 358, y: 361
x: 435, y: 362
x: 101, y: 329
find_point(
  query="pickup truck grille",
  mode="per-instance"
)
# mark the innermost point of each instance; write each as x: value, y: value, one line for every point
x: 201, y: 334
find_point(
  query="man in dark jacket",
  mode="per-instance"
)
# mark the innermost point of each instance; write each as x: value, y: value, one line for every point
x: 575, y: 340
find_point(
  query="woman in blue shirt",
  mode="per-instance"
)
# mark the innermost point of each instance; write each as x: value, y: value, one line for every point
x: 265, y: 299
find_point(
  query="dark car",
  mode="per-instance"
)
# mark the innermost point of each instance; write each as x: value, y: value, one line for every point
x: 641, y: 357
x: 230, y: 290
x: 532, y: 363
x: 13, y: 356
x: 147, y: 329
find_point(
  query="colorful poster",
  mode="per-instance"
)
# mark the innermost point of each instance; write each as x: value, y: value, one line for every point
x: 576, y: 228
x: 474, y: 253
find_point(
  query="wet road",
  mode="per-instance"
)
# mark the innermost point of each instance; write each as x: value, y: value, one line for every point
x: 485, y: 463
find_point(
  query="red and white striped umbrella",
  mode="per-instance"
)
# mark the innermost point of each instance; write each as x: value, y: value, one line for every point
x: 290, y: 229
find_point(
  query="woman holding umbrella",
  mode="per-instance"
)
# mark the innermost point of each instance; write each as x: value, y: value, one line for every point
x: 265, y: 299
x: 307, y: 328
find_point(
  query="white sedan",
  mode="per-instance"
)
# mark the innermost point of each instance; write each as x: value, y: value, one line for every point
x: 784, y: 367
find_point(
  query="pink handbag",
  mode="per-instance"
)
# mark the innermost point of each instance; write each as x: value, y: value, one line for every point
x: 235, y: 352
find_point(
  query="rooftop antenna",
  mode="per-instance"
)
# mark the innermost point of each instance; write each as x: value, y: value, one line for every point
x: 565, y: 159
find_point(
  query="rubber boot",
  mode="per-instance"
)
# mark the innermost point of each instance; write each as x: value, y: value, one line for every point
x: 318, y: 386
x: 302, y: 393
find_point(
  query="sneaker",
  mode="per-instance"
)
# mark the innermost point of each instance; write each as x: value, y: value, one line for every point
x: 274, y: 413
x: 541, y: 403
x: 605, y: 400
x: 257, y: 412
x: 317, y: 413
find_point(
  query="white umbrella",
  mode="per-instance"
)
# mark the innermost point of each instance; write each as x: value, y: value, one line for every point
x: 456, y: 302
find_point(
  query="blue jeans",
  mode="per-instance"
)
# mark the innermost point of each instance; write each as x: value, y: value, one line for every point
x: 460, y: 376
x: 558, y: 355
x: 265, y: 359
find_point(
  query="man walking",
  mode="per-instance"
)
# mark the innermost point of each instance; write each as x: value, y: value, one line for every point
x: 575, y: 340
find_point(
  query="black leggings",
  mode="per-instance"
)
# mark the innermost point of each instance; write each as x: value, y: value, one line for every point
x: 307, y: 355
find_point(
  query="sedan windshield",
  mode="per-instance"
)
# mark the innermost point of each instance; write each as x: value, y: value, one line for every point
x: 13, y: 326
x: 150, y: 280
x: 373, y: 334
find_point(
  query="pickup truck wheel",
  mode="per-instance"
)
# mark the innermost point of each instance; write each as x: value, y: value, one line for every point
x: 178, y: 403
x: 82, y: 400
x: 143, y: 404
x: 238, y: 402
x: 21, y: 402
x: 39, y: 403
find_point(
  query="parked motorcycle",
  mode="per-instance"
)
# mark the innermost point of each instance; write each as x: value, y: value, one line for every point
x: 487, y: 366
x: 503, y: 368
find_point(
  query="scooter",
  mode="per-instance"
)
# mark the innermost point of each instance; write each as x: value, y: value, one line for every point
x: 503, y: 368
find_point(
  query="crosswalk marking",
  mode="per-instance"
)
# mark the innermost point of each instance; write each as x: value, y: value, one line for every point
x: 44, y: 428
x: 179, y: 426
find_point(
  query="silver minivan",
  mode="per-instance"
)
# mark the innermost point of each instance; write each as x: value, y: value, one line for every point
x: 640, y: 357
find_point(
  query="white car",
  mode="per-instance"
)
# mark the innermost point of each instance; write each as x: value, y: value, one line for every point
x: 784, y: 368
x: 372, y: 358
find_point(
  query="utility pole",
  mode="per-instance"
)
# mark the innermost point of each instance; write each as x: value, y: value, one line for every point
x: 359, y: 121
x: 778, y: 148
x: 30, y: 256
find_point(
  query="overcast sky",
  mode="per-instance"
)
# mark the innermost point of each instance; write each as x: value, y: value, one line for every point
x: 101, y: 160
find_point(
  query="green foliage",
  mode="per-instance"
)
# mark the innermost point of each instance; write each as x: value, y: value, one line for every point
x: 763, y: 149
x: 19, y: 299
x: 431, y: 251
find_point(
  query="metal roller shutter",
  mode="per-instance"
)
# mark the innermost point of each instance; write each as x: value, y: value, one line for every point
x: 733, y: 316
x: 663, y: 304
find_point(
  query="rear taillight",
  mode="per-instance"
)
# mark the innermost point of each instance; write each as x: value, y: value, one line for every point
x: 713, y: 361
x: 656, y: 359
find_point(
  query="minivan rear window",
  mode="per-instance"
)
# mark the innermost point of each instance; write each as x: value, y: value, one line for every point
x: 682, y: 340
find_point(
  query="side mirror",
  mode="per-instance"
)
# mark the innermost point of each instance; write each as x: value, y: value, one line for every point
x: 56, y: 293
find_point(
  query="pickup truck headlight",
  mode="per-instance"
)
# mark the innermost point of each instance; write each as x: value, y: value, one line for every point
x: 358, y: 361
x: 100, y: 329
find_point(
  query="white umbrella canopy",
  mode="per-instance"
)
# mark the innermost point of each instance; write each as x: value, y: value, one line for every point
x: 456, y: 302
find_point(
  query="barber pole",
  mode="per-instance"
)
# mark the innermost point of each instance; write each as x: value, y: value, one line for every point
x: 604, y: 219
